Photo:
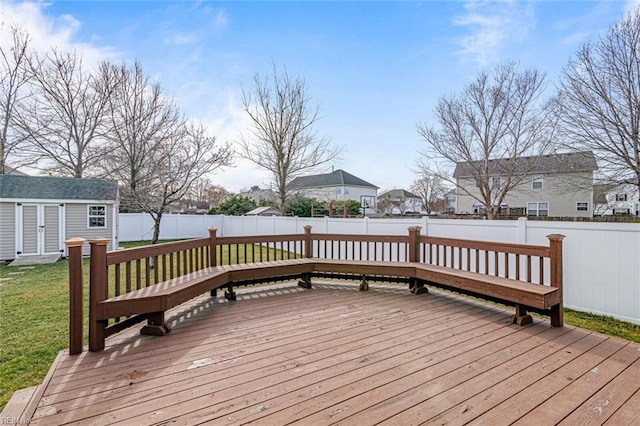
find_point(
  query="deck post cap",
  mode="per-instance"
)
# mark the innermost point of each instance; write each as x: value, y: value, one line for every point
x: 74, y: 242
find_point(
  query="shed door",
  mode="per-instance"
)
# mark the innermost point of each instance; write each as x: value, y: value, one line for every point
x: 40, y: 231
x: 30, y: 230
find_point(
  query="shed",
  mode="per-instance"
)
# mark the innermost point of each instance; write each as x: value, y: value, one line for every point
x: 37, y: 214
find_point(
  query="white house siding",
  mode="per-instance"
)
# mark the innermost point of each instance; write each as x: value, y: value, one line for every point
x: 562, y: 192
x: 7, y: 230
x: 77, y: 224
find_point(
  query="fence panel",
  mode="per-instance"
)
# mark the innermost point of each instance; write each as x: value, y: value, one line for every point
x: 601, y: 260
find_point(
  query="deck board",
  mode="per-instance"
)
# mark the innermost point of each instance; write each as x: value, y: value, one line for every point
x: 333, y: 355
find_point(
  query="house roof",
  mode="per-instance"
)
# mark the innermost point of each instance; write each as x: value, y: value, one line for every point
x: 56, y: 188
x: 11, y: 171
x: 583, y: 161
x: 260, y: 194
x: 263, y: 211
x: 398, y: 194
x: 336, y: 178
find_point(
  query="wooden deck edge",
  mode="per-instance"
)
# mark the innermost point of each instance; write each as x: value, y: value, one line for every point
x: 32, y: 406
x: 15, y: 408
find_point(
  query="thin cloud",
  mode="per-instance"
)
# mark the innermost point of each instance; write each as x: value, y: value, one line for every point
x: 490, y: 26
x: 181, y: 39
x: 48, y: 32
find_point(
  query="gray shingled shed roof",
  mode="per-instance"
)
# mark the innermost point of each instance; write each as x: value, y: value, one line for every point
x: 56, y: 188
x: 542, y: 164
x: 336, y: 178
x: 398, y: 194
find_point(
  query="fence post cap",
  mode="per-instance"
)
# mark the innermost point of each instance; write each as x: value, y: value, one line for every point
x: 415, y: 228
x: 307, y: 227
x: 100, y: 241
x: 556, y: 237
x: 74, y: 242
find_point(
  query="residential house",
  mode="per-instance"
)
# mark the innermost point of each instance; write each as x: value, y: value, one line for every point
x: 260, y: 195
x: 450, y: 199
x: 616, y: 199
x: 550, y: 185
x: 399, y: 201
x: 264, y: 211
x: 336, y: 186
x: 37, y: 214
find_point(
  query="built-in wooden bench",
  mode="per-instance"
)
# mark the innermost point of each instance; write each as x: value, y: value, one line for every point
x: 128, y: 286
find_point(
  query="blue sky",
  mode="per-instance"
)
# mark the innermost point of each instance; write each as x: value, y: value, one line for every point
x: 375, y: 68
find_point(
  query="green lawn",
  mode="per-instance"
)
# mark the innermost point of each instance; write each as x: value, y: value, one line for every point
x: 34, y: 323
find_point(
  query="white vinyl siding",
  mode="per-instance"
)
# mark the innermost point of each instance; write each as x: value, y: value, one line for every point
x: 7, y: 231
x: 76, y: 225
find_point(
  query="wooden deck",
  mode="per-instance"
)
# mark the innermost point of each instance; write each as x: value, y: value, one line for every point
x: 283, y: 355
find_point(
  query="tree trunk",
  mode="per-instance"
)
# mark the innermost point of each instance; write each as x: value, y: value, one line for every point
x: 156, y: 227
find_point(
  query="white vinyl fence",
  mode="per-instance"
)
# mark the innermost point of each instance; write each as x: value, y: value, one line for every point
x: 601, y: 260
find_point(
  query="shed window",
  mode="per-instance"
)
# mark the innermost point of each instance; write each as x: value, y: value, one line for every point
x: 97, y: 216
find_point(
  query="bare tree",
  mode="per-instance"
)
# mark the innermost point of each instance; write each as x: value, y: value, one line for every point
x: 430, y: 189
x: 600, y: 100
x: 153, y: 153
x: 283, y: 139
x: 13, y: 78
x: 500, y: 115
x: 62, y: 125
x: 215, y: 194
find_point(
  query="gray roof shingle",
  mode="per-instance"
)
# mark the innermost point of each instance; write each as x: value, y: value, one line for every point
x: 56, y: 188
x: 540, y: 164
x: 336, y: 178
x: 398, y: 194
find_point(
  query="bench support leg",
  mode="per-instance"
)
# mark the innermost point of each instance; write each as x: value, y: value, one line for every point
x: 416, y: 286
x: 229, y: 294
x: 556, y: 316
x: 155, y: 325
x: 305, y: 281
x: 521, y: 317
x: 364, y: 284
x: 213, y: 292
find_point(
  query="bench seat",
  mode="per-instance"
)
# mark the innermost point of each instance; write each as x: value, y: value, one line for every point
x: 167, y: 294
x: 153, y: 301
x: 534, y: 295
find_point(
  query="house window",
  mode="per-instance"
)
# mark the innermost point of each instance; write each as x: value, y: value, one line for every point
x: 621, y: 197
x: 538, y: 209
x: 97, y: 217
x: 582, y: 206
x: 495, y: 182
x: 537, y: 183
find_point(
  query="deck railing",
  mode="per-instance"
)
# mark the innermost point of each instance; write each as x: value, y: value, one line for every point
x: 122, y: 271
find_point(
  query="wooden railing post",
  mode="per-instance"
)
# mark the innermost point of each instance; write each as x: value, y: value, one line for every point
x: 213, y: 254
x: 97, y: 292
x: 414, y: 247
x: 213, y: 244
x: 416, y: 286
x: 308, y: 242
x: 555, y: 245
x: 76, y: 283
